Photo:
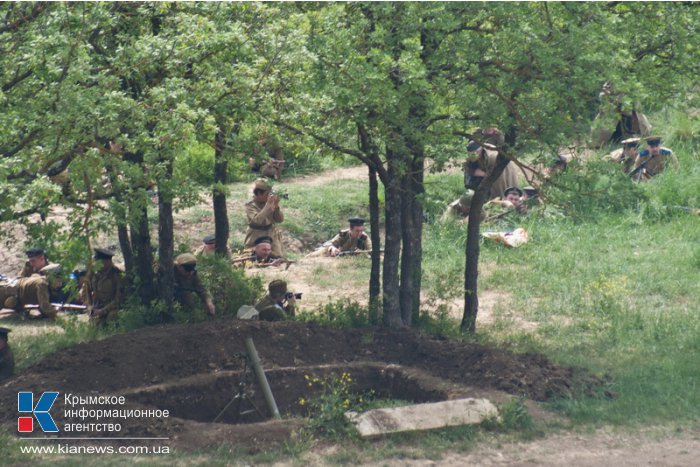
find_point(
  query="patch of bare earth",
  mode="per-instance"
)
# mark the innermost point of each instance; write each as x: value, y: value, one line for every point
x: 604, y: 447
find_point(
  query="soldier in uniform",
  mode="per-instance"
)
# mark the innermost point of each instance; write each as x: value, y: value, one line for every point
x: 7, y: 359
x: 652, y: 160
x: 36, y: 259
x: 261, y: 255
x: 512, y: 200
x: 627, y: 154
x: 36, y: 290
x: 208, y: 247
x: 264, y: 213
x: 484, y: 160
x: 348, y: 240
x: 277, y: 305
x: 188, y: 285
x: 104, y: 289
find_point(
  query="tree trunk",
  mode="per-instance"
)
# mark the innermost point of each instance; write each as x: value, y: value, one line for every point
x: 471, y: 266
x: 374, y: 285
x: 125, y: 245
x: 166, y: 242
x: 219, y: 193
x: 412, y: 233
x: 392, y: 248
x: 143, y: 257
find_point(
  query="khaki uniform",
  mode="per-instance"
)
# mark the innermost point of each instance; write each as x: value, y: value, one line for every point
x: 263, y: 221
x: 9, y: 290
x: 618, y: 156
x: 344, y: 242
x: 251, y: 260
x: 655, y: 164
x: 187, y: 289
x: 270, y: 311
x: 7, y: 363
x: 34, y: 290
x: 508, y: 178
x: 201, y: 251
x: 105, y: 292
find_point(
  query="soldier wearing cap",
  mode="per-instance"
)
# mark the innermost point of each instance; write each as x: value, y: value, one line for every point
x: 36, y: 290
x: 353, y: 239
x: 7, y: 358
x: 208, y: 247
x: 188, y: 284
x: 652, y: 160
x: 483, y: 160
x: 104, y: 288
x: 36, y: 259
x: 627, y: 154
x: 261, y: 256
x: 264, y: 213
x: 512, y: 199
x: 277, y: 305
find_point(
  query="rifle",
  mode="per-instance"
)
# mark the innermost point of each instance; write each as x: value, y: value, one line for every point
x: 285, y: 261
x: 639, y: 171
x: 72, y: 307
x: 356, y: 253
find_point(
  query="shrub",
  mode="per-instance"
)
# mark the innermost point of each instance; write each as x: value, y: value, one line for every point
x: 341, y: 314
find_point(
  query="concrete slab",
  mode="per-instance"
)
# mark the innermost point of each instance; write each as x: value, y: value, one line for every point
x: 422, y: 416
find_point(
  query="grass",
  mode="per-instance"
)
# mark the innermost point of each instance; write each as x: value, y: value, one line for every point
x: 616, y: 293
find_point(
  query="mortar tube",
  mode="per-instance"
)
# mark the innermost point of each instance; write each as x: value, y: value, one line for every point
x: 262, y: 379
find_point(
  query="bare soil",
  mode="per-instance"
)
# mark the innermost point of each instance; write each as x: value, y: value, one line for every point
x: 193, y: 370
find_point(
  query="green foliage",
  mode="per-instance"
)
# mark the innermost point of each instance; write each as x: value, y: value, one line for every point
x: 515, y: 416
x: 229, y: 287
x: 341, y: 314
x: 586, y: 191
x: 327, y: 410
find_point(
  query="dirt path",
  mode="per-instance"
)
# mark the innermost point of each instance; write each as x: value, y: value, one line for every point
x: 604, y: 447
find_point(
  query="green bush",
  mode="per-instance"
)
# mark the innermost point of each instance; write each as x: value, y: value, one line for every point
x: 588, y: 190
x: 341, y: 314
x: 229, y: 287
x: 328, y: 409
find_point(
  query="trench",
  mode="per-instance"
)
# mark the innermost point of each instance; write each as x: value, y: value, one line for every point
x: 202, y: 397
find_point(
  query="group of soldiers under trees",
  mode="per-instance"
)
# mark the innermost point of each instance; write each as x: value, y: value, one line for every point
x: 39, y: 286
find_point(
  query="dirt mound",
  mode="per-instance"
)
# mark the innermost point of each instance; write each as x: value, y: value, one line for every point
x: 193, y: 370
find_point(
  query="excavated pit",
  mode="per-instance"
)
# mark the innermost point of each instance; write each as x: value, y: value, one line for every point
x: 202, y: 397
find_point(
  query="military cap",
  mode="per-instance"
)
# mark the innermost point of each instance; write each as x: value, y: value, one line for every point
x: 209, y: 239
x: 473, y: 146
x: 653, y: 140
x: 4, y: 332
x: 185, y: 259
x: 356, y: 221
x: 512, y: 189
x: 466, y: 199
x: 277, y: 287
x: 53, y: 268
x: 263, y: 239
x: 32, y: 252
x: 262, y: 184
x: 103, y: 253
x: 630, y: 142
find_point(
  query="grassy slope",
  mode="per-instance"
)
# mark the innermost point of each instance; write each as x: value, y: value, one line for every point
x: 618, y: 294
